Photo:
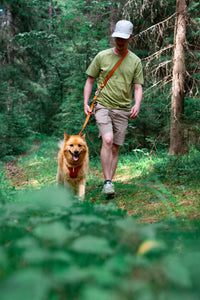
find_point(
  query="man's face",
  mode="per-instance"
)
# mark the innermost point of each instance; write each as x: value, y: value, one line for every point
x: 121, y: 44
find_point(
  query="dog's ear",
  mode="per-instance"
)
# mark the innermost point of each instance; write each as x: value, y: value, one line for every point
x: 83, y: 137
x: 66, y: 136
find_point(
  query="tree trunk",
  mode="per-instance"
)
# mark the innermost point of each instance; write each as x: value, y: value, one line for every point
x: 113, y: 20
x: 9, y: 34
x: 177, y: 107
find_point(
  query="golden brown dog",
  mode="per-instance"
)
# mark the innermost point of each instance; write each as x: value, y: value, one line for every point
x: 73, y: 163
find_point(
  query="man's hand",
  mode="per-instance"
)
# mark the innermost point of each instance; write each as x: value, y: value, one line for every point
x: 87, y: 109
x: 87, y: 92
x: 135, y: 111
x: 138, y: 98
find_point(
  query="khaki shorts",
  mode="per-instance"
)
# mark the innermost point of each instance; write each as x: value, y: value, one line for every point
x: 112, y: 121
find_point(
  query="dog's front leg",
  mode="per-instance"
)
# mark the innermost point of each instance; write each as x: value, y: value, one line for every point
x: 75, y: 190
x: 59, y: 177
x: 82, y: 189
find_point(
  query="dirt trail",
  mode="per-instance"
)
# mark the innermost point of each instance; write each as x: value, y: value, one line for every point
x: 15, y: 174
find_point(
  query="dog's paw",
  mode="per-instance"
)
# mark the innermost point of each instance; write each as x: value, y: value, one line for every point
x: 81, y: 198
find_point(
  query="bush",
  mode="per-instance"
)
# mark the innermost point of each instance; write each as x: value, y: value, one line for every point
x: 53, y: 246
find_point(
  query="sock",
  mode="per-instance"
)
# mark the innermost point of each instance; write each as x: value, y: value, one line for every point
x: 107, y: 181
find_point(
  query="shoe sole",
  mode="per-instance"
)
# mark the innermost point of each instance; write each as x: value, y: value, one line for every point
x: 110, y: 193
x: 110, y: 196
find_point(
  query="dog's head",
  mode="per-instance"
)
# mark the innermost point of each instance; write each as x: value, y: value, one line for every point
x: 74, y: 148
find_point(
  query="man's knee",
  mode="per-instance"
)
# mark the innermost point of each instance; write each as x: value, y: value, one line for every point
x: 107, y: 139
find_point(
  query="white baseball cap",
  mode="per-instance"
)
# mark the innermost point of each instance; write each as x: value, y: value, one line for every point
x: 123, y: 29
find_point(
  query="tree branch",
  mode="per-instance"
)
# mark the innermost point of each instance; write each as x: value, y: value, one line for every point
x: 157, y: 53
x: 153, y: 26
x: 164, y: 81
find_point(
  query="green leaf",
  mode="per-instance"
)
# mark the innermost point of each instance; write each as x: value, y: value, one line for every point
x: 91, y: 292
x: 103, y: 276
x: 25, y: 284
x: 53, y: 199
x: 3, y: 258
x: 90, y: 219
x: 139, y: 289
x: 26, y: 242
x: 55, y: 233
x: 129, y: 227
x: 121, y: 264
x: 176, y: 271
x: 92, y: 245
x: 127, y: 224
x: 39, y: 255
x: 73, y: 275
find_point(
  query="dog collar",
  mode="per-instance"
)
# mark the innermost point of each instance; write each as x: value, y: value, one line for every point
x: 73, y: 172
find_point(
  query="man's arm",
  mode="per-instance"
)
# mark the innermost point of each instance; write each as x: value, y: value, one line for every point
x: 138, y: 99
x: 87, y: 93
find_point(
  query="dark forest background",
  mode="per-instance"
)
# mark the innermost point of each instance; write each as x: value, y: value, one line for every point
x: 45, y: 48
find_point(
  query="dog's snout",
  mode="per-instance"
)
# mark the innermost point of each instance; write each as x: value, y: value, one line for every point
x: 76, y: 152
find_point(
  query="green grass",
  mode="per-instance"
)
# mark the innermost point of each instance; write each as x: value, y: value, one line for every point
x: 149, y: 187
x: 153, y: 187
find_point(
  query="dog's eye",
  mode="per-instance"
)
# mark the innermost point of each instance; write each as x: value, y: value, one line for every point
x: 71, y: 145
x: 79, y: 145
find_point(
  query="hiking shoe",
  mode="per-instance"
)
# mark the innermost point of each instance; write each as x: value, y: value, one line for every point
x: 108, y: 188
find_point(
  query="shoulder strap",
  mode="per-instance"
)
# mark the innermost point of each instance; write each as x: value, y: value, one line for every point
x: 115, y: 67
x: 101, y: 87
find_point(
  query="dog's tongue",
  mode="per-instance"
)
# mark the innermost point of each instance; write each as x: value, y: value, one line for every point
x: 75, y: 158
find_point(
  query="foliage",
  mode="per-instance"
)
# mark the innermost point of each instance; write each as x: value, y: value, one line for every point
x: 180, y: 169
x: 46, y: 47
x: 55, y: 247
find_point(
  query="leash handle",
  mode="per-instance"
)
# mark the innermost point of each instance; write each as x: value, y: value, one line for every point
x: 100, y: 89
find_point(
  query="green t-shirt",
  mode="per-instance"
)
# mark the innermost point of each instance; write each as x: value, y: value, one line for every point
x: 117, y: 93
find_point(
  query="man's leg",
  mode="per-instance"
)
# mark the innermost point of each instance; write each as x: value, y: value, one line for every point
x: 107, y: 155
x: 115, y: 151
x: 112, y: 127
x: 109, y: 160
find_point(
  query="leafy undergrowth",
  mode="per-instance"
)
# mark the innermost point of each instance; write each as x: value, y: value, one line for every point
x: 52, y: 246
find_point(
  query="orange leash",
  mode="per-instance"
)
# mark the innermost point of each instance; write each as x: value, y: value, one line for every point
x: 99, y: 90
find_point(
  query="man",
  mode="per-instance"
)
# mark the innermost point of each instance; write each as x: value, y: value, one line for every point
x: 113, y: 105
